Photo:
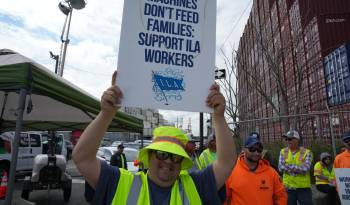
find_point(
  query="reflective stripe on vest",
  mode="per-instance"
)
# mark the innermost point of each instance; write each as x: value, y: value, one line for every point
x: 198, y: 163
x: 132, y: 190
x: 301, y: 155
x: 298, y: 180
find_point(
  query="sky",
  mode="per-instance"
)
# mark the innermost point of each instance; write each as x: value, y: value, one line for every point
x: 33, y: 28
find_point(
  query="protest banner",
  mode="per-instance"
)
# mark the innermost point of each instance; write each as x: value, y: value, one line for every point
x: 167, y: 54
x: 343, y: 183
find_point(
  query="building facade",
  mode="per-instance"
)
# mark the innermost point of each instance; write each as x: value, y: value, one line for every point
x: 283, y: 58
x: 151, y: 118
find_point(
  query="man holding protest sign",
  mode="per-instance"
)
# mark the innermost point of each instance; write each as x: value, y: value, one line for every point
x: 165, y: 157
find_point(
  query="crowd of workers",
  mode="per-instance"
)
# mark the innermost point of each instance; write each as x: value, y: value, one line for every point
x: 177, y: 175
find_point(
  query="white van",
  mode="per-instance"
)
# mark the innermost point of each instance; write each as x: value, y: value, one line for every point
x: 30, y: 145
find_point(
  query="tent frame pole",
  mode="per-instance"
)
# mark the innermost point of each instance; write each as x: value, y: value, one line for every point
x: 15, y: 145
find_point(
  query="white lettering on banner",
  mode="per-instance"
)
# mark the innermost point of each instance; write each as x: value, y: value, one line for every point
x: 343, y: 184
x: 162, y: 56
x: 335, y: 20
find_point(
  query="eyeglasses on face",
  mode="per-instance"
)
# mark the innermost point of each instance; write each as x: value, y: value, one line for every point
x: 289, y: 139
x: 255, y: 149
x: 160, y: 155
x: 347, y: 140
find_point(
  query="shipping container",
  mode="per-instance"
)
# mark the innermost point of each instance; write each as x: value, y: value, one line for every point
x: 311, y: 8
x: 300, y: 41
x: 337, y: 75
x: 334, y: 30
x: 289, y: 4
x: 261, y: 13
x: 266, y: 9
x: 274, y: 17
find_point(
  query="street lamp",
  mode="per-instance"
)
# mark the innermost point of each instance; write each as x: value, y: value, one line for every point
x: 66, y: 8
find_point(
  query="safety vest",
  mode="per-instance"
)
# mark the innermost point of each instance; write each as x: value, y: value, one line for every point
x: 320, y: 170
x: 133, y: 189
x: 206, y: 158
x: 298, y: 180
x: 197, y: 163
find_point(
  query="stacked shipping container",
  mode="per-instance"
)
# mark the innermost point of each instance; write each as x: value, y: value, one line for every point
x: 287, y: 40
x: 336, y: 69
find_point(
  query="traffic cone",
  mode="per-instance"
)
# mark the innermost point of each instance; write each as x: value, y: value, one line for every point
x: 3, y: 185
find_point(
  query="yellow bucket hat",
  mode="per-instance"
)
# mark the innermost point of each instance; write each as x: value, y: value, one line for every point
x: 167, y: 139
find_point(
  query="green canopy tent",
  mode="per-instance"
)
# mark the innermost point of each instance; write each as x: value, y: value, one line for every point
x: 52, y: 102
x: 34, y: 98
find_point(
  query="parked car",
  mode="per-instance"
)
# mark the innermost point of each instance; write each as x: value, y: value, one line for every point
x: 145, y: 142
x: 116, y: 143
x: 31, y: 144
x: 105, y: 153
x: 132, y: 145
x: 106, y: 142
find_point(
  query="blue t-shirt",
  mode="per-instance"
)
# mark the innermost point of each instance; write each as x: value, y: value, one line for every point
x: 109, y: 177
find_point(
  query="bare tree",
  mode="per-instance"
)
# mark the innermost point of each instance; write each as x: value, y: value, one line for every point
x: 274, y: 62
x: 229, y: 86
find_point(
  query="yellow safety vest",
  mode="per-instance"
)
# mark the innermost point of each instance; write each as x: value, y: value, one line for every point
x: 299, y: 180
x: 206, y: 158
x: 320, y: 170
x: 198, y: 163
x: 133, y: 189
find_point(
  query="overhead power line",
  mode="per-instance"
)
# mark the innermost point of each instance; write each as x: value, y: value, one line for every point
x: 235, y: 24
x: 85, y: 71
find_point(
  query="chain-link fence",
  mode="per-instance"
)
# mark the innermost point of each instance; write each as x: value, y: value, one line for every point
x: 322, y: 128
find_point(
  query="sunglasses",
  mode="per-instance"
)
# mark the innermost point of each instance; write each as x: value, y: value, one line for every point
x: 160, y: 155
x: 255, y: 149
x: 347, y: 140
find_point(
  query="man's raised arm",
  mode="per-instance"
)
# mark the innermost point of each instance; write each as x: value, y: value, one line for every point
x: 225, y: 146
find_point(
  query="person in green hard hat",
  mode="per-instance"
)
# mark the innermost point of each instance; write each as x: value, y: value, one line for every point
x: 165, y: 182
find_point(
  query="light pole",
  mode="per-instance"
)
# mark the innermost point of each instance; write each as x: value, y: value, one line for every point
x: 67, y: 9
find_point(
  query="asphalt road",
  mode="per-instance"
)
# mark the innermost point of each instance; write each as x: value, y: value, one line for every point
x: 53, y: 197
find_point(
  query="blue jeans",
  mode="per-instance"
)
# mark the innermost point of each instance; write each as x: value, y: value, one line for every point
x: 302, y: 196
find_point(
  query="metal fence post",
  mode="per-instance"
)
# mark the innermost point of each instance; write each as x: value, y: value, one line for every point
x: 19, y: 121
x: 330, y: 119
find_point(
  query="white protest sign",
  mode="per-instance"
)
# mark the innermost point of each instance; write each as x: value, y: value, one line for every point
x: 167, y: 54
x: 343, y: 184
